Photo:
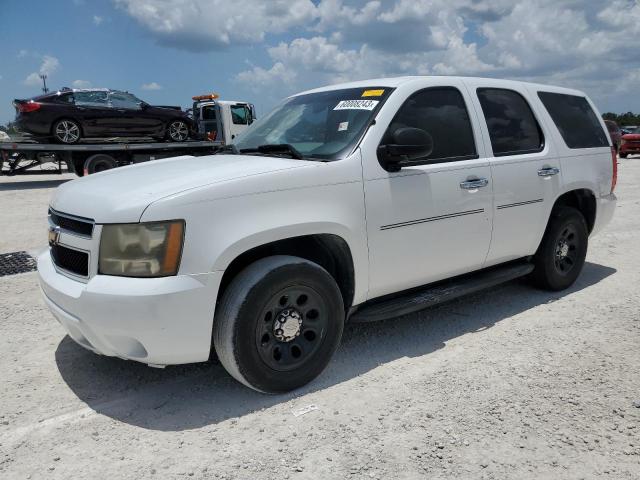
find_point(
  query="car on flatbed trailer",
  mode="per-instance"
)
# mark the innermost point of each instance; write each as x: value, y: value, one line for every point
x: 217, y: 123
x: 356, y: 202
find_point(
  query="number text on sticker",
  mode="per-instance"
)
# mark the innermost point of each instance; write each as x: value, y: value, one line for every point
x: 356, y: 105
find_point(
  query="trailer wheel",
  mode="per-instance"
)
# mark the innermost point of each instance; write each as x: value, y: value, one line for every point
x: 99, y: 163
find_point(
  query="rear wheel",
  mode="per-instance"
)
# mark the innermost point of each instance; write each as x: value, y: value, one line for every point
x: 278, y: 323
x: 99, y: 163
x: 178, y: 131
x: 561, y: 254
x: 623, y: 155
x: 66, y: 131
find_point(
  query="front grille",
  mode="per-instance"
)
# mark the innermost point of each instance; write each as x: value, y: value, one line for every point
x: 81, y: 226
x: 71, y: 260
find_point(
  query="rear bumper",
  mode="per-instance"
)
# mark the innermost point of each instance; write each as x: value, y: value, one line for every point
x: 33, y: 125
x: 605, y: 207
x: 159, y: 321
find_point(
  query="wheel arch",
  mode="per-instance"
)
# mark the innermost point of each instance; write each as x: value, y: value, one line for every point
x: 328, y: 250
x: 583, y: 200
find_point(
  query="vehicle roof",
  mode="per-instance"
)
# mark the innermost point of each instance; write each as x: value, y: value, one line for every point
x: 395, y: 82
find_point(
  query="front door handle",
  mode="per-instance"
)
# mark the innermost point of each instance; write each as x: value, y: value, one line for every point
x: 475, y: 183
x: 548, y: 172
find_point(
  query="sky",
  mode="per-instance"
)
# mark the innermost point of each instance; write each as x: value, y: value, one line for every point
x: 166, y: 51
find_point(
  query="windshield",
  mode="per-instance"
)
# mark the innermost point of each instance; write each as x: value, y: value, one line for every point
x: 323, y: 125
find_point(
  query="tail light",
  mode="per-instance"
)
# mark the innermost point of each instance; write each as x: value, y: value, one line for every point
x: 28, y: 106
x: 614, y: 163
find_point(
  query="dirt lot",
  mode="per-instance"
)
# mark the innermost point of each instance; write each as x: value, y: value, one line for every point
x: 513, y: 383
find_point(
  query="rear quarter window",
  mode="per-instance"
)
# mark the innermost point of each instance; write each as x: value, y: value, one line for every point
x: 575, y: 119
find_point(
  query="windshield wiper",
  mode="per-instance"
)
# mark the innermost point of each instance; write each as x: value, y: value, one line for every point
x: 232, y: 149
x: 275, y: 148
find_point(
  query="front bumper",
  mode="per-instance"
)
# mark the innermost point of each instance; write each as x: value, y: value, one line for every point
x: 158, y: 321
x: 629, y: 148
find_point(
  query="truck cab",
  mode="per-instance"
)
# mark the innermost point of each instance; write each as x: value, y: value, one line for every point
x: 221, y: 120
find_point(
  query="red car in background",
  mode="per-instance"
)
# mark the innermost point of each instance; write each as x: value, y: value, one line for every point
x: 615, y: 133
x: 630, y: 143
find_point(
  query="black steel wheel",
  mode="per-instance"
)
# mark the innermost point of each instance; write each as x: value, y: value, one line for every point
x: 561, y: 254
x: 66, y: 131
x: 294, y: 322
x: 178, y: 131
x: 278, y: 323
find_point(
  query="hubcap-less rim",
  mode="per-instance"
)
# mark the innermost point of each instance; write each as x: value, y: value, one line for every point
x: 566, y: 252
x: 178, y: 131
x: 291, y: 328
x: 67, y: 132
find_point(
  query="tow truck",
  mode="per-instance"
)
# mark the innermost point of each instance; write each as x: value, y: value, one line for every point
x: 218, y: 123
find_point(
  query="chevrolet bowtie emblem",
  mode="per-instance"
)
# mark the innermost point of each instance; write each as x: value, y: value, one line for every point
x: 54, y: 236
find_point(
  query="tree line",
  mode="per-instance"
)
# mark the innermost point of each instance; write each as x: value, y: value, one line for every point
x: 622, y: 119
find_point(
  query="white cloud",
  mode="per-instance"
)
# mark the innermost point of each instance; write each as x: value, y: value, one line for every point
x: 151, y: 86
x: 33, y: 80
x: 23, y: 53
x: 81, y: 84
x: 587, y: 45
x: 97, y: 20
x: 48, y: 66
x: 200, y: 25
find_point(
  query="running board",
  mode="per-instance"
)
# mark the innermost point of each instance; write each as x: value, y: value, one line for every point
x: 434, y: 294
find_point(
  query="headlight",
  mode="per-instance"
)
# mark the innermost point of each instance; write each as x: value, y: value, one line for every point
x: 141, y: 249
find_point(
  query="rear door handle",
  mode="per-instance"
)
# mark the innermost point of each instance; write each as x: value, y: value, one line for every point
x: 548, y: 172
x: 475, y: 183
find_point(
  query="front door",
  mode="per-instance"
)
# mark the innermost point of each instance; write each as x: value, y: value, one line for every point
x: 431, y: 221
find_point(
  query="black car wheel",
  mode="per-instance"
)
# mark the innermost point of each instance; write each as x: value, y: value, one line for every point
x: 178, y: 131
x: 278, y: 323
x: 66, y: 131
x: 561, y: 254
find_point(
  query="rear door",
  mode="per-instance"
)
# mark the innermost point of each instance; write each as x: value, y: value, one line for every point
x: 92, y: 108
x: 431, y: 221
x: 524, y: 167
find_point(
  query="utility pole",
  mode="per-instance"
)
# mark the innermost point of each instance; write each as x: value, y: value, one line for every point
x: 44, y: 83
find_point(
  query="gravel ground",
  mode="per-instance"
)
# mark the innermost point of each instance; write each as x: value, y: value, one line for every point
x: 512, y: 383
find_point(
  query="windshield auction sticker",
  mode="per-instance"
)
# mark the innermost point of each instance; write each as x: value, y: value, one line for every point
x: 373, y: 93
x: 357, y: 105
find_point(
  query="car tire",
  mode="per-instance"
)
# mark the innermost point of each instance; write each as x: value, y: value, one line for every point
x: 177, y: 131
x: 278, y: 323
x: 561, y: 254
x: 623, y: 155
x: 99, y: 163
x: 66, y: 131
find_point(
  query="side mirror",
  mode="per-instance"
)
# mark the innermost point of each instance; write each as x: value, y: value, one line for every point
x: 409, y: 144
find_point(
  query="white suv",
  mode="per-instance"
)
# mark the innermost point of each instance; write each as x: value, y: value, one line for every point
x: 355, y: 202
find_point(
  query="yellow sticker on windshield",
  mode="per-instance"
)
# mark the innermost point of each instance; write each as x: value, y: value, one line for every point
x: 372, y: 93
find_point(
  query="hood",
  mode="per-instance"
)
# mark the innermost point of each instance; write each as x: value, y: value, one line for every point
x: 631, y: 136
x: 121, y: 195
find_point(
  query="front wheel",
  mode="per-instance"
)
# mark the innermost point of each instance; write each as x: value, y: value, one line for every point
x: 66, y: 131
x: 561, y: 254
x: 178, y: 131
x: 278, y: 323
x: 624, y: 155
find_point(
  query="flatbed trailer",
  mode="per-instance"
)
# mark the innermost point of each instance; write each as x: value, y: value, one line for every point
x: 87, y: 158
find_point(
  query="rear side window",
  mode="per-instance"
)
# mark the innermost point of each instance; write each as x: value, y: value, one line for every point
x: 443, y: 114
x: 574, y: 117
x: 513, y: 128
x: 91, y: 99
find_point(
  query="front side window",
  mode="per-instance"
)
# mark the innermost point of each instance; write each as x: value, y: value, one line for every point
x: 91, y: 99
x: 125, y: 100
x: 323, y: 125
x: 575, y: 119
x: 240, y: 115
x: 442, y: 113
x: 513, y: 128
